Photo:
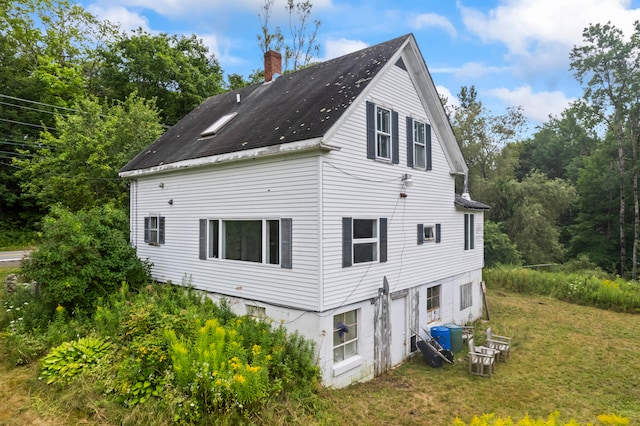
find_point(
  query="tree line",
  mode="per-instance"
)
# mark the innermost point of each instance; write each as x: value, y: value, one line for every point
x: 79, y: 98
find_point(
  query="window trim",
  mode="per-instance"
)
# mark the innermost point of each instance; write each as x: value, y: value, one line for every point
x: 348, y: 241
x: 433, y: 236
x: 159, y: 229
x: 434, y: 314
x: 466, y: 296
x: 342, y: 317
x: 381, y: 133
x: 212, y: 241
x: 417, y: 144
x: 469, y: 231
x: 373, y: 131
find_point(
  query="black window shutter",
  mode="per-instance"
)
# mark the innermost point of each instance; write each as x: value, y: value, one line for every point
x: 371, y: 130
x: 146, y: 229
x: 161, y: 230
x: 347, y: 237
x: 383, y: 239
x: 471, y: 232
x: 395, y: 138
x: 438, y: 233
x: 420, y: 234
x: 428, y: 147
x: 285, y: 244
x: 409, y: 142
x: 203, y: 239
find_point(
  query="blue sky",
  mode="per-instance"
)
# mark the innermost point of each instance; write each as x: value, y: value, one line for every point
x: 515, y: 52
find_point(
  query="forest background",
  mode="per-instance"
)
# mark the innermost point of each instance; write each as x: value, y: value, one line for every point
x: 79, y: 98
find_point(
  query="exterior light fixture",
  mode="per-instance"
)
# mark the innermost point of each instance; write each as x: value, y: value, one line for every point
x: 407, y: 180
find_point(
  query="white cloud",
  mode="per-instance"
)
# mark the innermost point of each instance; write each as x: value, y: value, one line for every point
x: 119, y: 15
x: 452, y: 100
x: 433, y: 20
x: 338, y: 47
x: 522, y: 25
x: 537, y: 106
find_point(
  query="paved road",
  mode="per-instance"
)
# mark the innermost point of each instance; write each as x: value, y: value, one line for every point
x: 12, y: 257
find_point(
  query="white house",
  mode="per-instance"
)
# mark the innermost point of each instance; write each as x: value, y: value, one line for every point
x: 323, y: 199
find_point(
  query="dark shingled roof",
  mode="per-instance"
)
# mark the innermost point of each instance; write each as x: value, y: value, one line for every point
x: 470, y: 204
x: 298, y: 106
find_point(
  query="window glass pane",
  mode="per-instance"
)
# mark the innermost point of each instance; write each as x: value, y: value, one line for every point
x: 273, y: 242
x: 384, y: 120
x: 243, y: 240
x: 213, y: 238
x: 338, y: 354
x: 418, y: 132
x: 365, y: 252
x: 428, y: 233
x: 153, y: 222
x: 419, y: 156
x: 350, y: 317
x: 384, y: 146
x: 351, y: 349
x: 364, y: 228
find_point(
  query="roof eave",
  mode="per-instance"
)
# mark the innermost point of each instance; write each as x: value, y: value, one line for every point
x: 267, y: 151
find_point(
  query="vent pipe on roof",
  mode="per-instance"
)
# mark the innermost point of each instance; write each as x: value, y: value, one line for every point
x: 272, y: 65
x: 237, y: 97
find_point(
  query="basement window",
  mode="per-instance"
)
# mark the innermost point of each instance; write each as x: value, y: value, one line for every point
x: 218, y: 125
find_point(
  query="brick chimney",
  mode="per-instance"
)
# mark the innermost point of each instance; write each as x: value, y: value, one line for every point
x: 272, y: 65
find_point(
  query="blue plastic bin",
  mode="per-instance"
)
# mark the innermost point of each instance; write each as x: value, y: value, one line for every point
x: 443, y: 336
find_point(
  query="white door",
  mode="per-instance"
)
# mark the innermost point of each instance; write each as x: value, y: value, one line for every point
x: 399, y: 341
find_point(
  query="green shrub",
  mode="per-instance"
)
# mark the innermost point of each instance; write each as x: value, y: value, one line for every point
x: 83, y: 256
x: 66, y: 361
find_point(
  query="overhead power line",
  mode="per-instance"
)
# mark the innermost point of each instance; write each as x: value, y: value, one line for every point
x: 37, y: 103
x: 27, y: 124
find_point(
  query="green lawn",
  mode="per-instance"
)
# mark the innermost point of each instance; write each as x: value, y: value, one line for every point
x: 581, y: 361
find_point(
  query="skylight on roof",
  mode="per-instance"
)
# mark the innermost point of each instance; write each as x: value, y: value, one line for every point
x: 218, y: 125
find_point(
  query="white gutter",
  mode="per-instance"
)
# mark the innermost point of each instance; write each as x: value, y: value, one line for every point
x: 286, y: 148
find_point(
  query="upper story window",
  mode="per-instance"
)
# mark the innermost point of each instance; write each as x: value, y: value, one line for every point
x: 469, y: 231
x: 418, y: 144
x: 382, y: 133
x: 419, y: 148
x: 429, y: 233
x: 363, y: 240
x: 254, y: 240
x: 154, y: 229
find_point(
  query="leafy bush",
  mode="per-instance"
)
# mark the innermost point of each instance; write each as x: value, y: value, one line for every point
x: 172, y: 339
x: 552, y: 420
x: 66, y: 361
x: 498, y: 248
x: 83, y: 256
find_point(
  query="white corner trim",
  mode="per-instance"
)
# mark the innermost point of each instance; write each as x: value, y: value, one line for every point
x: 286, y: 148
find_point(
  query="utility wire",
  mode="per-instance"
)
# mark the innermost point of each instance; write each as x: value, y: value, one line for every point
x: 37, y: 103
x: 28, y: 124
x: 26, y: 107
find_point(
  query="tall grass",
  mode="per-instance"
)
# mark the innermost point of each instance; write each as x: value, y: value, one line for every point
x: 614, y: 294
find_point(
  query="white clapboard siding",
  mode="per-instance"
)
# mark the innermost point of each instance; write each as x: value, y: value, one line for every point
x: 354, y: 186
x: 259, y: 189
